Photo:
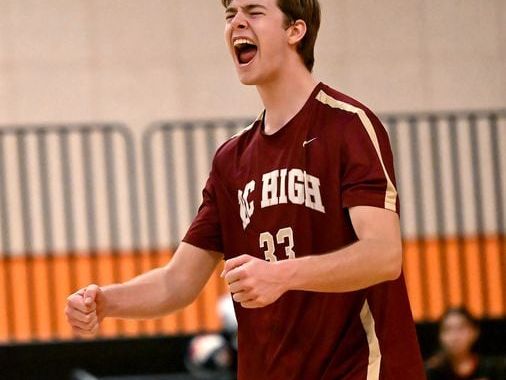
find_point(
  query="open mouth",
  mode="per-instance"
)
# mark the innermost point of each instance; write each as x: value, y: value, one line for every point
x: 245, y: 50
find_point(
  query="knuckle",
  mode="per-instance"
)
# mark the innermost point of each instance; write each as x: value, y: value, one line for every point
x: 73, y: 296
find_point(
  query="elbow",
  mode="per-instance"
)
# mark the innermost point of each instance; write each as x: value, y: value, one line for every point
x: 173, y: 304
x: 394, y: 273
x: 186, y: 300
x: 179, y: 301
x: 393, y: 267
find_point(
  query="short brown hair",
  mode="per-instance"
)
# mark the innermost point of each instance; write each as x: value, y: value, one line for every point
x: 307, y: 11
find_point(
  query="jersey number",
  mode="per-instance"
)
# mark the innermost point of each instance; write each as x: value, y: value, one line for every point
x: 284, y: 236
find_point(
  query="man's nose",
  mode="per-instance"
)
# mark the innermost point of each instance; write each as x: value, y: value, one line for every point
x: 239, y: 21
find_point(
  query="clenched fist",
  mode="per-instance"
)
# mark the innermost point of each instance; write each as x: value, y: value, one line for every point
x: 253, y: 282
x: 84, y: 310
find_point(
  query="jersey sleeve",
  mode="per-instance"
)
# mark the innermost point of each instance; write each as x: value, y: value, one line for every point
x: 205, y: 230
x: 367, y: 173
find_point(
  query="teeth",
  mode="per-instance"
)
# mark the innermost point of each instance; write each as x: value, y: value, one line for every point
x: 241, y: 41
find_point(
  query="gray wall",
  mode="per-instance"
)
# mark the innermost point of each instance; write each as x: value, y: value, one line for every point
x: 139, y: 61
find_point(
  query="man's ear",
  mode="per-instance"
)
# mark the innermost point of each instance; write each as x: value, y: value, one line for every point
x: 296, y: 32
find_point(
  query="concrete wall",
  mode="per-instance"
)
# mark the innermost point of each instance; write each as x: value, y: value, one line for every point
x: 139, y: 61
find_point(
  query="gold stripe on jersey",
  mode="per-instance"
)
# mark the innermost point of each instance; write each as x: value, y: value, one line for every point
x: 259, y: 117
x: 391, y: 192
x: 242, y: 131
x: 373, y: 368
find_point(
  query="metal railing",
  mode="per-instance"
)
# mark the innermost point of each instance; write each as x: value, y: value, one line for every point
x: 67, y: 193
x: 451, y: 174
x: 452, y: 177
x: 74, y: 210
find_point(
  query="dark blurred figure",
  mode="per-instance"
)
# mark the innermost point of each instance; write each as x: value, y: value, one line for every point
x: 214, y: 356
x: 457, y: 358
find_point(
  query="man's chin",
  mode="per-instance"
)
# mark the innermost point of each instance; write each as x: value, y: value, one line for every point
x: 247, y: 80
x: 247, y: 76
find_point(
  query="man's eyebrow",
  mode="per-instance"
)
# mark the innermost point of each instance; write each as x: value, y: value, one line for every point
x: 248, y: 8
x: 230, y: 9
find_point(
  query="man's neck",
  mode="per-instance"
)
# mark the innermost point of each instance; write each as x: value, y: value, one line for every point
x: 284, y: 97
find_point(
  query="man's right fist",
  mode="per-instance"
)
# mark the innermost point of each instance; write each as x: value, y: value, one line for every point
x: 83, y: 310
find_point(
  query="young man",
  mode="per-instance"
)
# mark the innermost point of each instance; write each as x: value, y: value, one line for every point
x: 302, y: 206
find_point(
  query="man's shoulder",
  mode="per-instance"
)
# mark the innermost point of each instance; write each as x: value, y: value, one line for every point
x: 229, y: 147
x: 342, y: 104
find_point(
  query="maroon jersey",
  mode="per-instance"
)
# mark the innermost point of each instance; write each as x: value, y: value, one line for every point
x: 287, y: 195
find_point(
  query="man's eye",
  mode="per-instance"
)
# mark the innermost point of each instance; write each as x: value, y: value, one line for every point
x: 256, y: 13
x: 229, y: 17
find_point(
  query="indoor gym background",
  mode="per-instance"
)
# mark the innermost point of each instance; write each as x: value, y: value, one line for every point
x: 111, y: 111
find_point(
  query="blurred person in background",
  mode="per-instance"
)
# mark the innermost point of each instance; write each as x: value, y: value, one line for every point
x: 457, y: 358
x: 214, y: 356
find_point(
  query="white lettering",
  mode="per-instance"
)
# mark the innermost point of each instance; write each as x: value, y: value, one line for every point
x: 300, y: 188
x: 270, y: 189
x: 296, y: 186
x: 282, y: 186
x: 246, y: 209
x: 313, y: 196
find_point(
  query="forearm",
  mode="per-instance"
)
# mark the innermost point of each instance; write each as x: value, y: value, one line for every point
x: 360, y: 265
x: 146, y: 296
x: 162, y: 290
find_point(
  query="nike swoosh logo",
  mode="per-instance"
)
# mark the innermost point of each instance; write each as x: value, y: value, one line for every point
x: 308, y: 141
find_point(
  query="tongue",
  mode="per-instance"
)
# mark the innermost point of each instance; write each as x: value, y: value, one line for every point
x: 247, y: 54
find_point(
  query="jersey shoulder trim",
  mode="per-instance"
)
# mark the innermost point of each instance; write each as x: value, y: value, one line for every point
x: 249, y: 127
x: 230, y: 144
x: 391, y: 191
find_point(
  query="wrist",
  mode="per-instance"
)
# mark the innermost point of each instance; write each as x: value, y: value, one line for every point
x: 287, y: 270
x: 106, y: 307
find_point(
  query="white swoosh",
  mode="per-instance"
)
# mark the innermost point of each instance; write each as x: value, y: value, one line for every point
x: 308, y: 141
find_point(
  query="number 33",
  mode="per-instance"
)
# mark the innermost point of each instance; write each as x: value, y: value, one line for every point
x: 284, y: 236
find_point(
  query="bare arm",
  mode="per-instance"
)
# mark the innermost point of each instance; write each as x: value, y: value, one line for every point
x: 162, y: 290
x: 374, y: 258
x: 152, y: 294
